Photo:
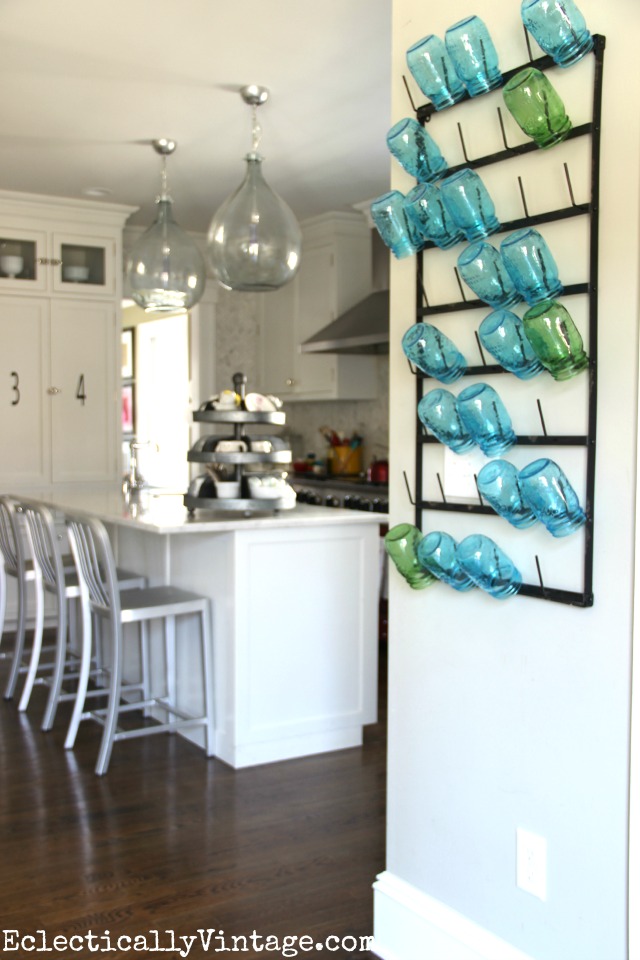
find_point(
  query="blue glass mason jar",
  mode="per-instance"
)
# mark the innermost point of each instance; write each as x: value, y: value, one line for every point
x: 559, y: 28
x: 468, y: 201
x: 438, y: 411
x: 427, y: 210
x: 531, y: 265
x: 551, y: 497
x: 433, y: 353
x: 485, y: 416
x: 499, y: 484
x: 489, y: 566
x: 395, y: 230
x: 503, y: 334
x: 437, y: 554
x: 473, y: 54
x: 483, y: 270
x: 416, y: 151
x: 432, y: 69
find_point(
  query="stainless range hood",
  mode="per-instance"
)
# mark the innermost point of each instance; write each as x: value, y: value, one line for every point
x: 362, y: 329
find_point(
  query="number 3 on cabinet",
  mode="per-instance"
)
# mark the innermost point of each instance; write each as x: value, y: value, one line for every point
x: 15, y: 387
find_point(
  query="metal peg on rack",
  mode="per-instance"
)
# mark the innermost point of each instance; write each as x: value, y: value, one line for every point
x: 409, y: 494
x: 482, y: 358
x: 475, y: 480
x: 406, y: 86
x: 455, y: 270
x: 541, y: 415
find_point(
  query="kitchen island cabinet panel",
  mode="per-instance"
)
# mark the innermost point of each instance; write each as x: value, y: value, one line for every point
x: 295, y: 629
x: 306, y: 639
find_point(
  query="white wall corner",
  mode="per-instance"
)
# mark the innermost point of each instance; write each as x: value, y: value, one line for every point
x: 409, y: 923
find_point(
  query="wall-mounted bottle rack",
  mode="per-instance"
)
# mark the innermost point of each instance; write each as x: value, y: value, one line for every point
x: 424, y: 308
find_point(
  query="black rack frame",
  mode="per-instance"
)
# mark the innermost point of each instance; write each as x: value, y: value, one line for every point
x: 425, y: 309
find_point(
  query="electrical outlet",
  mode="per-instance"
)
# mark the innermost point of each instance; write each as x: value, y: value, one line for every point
x: 531, y: 863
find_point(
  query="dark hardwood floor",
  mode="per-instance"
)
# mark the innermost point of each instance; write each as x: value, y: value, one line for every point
x: 169, y: 840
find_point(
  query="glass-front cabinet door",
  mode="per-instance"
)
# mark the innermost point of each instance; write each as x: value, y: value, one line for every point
x: 84, y: 265
x: 23, y: 260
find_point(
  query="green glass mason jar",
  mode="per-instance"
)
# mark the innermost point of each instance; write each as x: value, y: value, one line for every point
x: 555, y: 339
x: 401, y: 543
x: 536, y: 107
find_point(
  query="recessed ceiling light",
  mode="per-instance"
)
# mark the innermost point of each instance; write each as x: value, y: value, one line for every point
x: 96, y: 192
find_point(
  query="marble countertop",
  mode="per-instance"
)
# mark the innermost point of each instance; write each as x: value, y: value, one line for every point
x: 165, y: 513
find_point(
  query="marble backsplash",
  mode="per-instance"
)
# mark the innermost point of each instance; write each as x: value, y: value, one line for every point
x: 237, y: 349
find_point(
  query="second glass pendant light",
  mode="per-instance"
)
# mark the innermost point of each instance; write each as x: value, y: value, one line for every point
x: 254, y: 239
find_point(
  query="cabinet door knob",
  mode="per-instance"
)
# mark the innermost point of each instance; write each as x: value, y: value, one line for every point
x: 290, y: 382
x: 52, y: 391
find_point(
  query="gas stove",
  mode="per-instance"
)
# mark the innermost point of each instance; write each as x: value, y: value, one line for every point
x: 351, y: 493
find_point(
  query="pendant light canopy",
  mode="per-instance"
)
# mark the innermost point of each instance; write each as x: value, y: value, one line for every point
x: 254, y: 239
x: 165, y: 270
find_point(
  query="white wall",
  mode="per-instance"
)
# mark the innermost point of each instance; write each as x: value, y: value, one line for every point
x: 516, y: 713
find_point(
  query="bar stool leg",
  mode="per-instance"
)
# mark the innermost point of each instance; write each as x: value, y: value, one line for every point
x: 111, y: 717
x: 36, y: 648
x: 145, y: 664
x: 170, y: 658
x: 3, y: 600
x: 58, y: 670
x: 207, y: 660
x: 83, y: 679
x: 19, y: 644
x: 98, y: 652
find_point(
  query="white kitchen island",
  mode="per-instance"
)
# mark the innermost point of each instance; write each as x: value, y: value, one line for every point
x: 295, y: 616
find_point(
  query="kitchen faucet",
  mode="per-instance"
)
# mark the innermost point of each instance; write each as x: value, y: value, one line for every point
x: 133, y: 479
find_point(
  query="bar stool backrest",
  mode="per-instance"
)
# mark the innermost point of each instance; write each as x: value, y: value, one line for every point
x: 95, y: 564
x: 10, y: 539
x: 43, y: 540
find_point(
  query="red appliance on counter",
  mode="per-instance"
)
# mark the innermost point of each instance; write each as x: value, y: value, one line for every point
x: 378, y: 472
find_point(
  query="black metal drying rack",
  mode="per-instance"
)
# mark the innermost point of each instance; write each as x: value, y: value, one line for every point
x: 540, y: 590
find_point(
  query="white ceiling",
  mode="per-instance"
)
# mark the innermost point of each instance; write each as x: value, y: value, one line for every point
x: 85, y: 86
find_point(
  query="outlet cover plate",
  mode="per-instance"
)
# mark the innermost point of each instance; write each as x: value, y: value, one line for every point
x: 531, y: 863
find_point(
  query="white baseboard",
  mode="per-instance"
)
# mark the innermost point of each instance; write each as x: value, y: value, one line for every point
x: 409, y: 923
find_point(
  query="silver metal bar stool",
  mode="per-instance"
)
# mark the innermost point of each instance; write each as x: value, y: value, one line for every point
x: 51, y: 576
x: 14, y: 563
x: 96, y: 568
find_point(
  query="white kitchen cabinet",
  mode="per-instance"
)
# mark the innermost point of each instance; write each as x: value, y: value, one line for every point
x: 59, y: 362
x: 59, y: 388
x: 25, y: 432
x: 334, y: 274
x: 63, y: 246
x: 84, y: 424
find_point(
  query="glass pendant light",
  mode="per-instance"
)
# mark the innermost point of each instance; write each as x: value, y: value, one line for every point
x: 254, y: 239
x: 165, y: 270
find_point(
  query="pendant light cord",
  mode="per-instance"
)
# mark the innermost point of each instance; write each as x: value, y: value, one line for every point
x: 256, y: 130
x: 164, y: 191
